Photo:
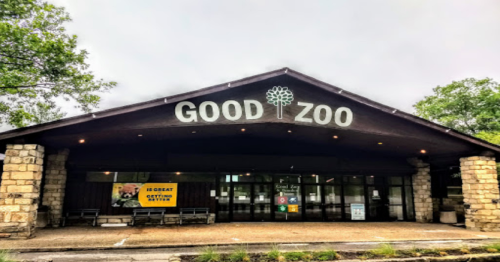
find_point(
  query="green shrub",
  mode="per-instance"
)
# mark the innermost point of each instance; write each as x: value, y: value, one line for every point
x: 5, y: 256
x: 294, y: 256
x: 208, y: 254
x: 386, y: 250
x: 239, y: 254
x: 325, y: 255
x: 492, y: 247
x: 274, y: 253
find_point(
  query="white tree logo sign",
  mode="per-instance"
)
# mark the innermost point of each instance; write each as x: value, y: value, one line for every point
x: 279, y: 97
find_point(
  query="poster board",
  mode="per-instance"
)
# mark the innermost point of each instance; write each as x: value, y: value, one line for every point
x: 136, y: 195
x: 358, y: 212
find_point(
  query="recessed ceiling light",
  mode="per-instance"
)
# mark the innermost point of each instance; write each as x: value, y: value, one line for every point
x: 177, y: 173
x: 313, y: 175
x: 107, y: 173
x: 243, y: 130
x: 423, y: 151
x: 380, y: 143
x: 81, y: 141
x: 335, y: 137
x: 194, y: 132
x: 248, y: 174
x: 139, y: 135
x: 289, y: 131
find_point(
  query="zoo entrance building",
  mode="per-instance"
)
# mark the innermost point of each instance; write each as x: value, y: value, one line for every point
x: 279, y: 146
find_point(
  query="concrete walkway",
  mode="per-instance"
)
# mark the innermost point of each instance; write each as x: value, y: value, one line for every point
x: 82, y: 238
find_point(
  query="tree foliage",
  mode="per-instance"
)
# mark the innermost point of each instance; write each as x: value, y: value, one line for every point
x: 40, y: 62
x: 470, y: 106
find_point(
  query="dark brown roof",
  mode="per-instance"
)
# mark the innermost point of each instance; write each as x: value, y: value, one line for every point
x: 244, y: 81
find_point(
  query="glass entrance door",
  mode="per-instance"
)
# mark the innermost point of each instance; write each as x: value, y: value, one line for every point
x: 242, y: 202
x: 251, y: 202
x: 313, y: 202
x: 385, y: 198
x: 262, y: 202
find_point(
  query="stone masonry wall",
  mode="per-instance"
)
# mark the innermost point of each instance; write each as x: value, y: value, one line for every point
x: 20, y: 190
x: 422, y: 191
x: 55, y: 185
x: 481, y: 194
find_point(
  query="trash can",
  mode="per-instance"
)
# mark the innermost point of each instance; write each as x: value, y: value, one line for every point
x: 448, y: 215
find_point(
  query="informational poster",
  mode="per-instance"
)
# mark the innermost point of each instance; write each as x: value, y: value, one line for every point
x: 358, y: 212
x: 134, y: 195
x: 126, y: 195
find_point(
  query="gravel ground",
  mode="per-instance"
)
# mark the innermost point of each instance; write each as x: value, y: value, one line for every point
x: 234, y: 233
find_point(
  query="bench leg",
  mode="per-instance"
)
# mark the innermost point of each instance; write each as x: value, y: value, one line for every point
x: 94, y: 223
x: 208, y: 219
x: 64, y: 222
x: 133, y: 221
x: 180, y: 221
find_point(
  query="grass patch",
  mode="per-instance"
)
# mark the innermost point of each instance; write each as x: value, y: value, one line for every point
x: 326, y: 255
x: 386, y: 250
x: 208, y: 254
x: 275, y: 254
x: 492, y: 248
x: 294, y: 256
x: 239, y: 254
x: 5, y: 256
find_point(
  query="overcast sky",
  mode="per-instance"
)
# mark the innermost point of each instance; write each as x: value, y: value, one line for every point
x: 393, y: 52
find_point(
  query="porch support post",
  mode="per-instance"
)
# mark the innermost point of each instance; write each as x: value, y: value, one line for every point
x: 481, y: 194
x: 55, y: 185
x: 20, y: 190
x: 422, y: 191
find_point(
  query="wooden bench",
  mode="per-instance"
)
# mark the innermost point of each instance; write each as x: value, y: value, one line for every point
x: 194, y: 213
x: 82, y: 214
x: 149, y: 213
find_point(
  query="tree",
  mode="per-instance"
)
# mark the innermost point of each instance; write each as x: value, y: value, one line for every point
x: 470, y: 106
x: 39, y: 63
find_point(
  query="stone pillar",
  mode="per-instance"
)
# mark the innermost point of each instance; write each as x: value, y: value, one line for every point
x: 422, y: 191
x: 481, y: 194
x: 55, y: 185
x: 20, y: 190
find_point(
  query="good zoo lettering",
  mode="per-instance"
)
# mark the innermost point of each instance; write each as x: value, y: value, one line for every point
x: 233, y: 110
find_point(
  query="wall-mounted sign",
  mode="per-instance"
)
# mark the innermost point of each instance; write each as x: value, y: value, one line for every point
x: 358, y: 212
x: 134, y: 195
x: 252, y: 109
x: 158, y: 195
x: 293, y: 208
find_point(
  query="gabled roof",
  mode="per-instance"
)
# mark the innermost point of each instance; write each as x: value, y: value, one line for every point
x: 240, y: 82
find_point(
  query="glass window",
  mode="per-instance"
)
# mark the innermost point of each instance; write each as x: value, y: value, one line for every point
x: 353, y: 180
x: 372, y: 179
x: 243, y: 177
x: 106, y: 176
x: 409, y: 203
x: 119, y: 177
x: 333, y: 179
x: 395, y: 180
x: 312, y: 178
x: 407, y: 180
x: 225, y: 178
x: 289, y: 178
x: 262, y: 177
